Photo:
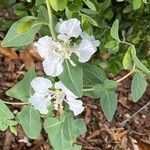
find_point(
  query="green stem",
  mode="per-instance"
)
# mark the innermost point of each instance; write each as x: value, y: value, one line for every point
x: 15, y: 103
x: 88, y: 90
x: 124, y: 42
x: 51, y: 23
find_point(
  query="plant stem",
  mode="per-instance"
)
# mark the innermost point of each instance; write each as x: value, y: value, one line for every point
x: 87, y: 90
x: 51, y: 23
x: 124, y: 42
x: 15, y: 103
x: 127, y: 75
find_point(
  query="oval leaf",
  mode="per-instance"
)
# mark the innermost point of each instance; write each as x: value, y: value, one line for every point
x: 109, y: 104
x: 127, y: 59
x: 89, y: 4
x: 92, y: 74
x: 14, y: 38
x: 5, y: 112
x: 58, y: 4
x: 137, y: 4
x: 137, y: 62
x: 114, y: 30
x: 138, y: 86
x: 29, y: 118
x: 72, y: 78
x: 23, y: 90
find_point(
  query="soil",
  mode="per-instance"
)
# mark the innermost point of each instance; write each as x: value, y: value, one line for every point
x: 118, y: 134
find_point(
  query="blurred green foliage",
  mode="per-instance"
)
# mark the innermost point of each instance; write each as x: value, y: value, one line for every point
x: 97, y: 17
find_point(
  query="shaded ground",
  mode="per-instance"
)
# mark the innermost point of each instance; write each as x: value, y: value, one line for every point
x: 101, y: 135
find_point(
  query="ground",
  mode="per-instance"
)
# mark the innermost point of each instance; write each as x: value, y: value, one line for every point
x: 124, y: 132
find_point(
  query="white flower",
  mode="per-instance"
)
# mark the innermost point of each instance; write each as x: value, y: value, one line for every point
x: 41, y: 98
x: 52, y: 63
x: 44, y: 94
x: 68, y: 29
x: 54, y: 53
x: 74, y: 104
x: 87, y: 47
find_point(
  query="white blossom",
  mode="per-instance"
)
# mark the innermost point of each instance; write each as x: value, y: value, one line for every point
x: 54, y: 53
x: 41, y: 98
x: 44, y: 93
x: 68, y: 29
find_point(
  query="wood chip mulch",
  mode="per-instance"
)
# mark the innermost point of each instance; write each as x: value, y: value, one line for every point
x: 133, y: 134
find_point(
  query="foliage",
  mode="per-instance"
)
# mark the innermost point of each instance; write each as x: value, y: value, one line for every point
x: 122, y: 27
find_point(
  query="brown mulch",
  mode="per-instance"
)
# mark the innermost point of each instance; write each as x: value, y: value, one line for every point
x: 101, y: 134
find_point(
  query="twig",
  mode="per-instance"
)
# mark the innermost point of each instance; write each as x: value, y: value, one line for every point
x: 124, y: 122
x: 7, y: 141
x: 15, y: 103
x: 127, y: 75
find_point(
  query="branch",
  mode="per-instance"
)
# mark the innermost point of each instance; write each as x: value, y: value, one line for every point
x: 124, y: 122
x: 15, y: 103
x: 127, y: 75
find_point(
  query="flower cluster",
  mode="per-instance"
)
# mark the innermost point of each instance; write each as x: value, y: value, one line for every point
x: 45, y: 95
x: 54, y: 53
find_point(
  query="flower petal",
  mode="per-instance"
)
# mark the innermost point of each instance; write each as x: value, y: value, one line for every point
x: 63, y: 37
x: 40, y: 103
x: 75, y: 105
x: 70, y: 28
x: 53, y: 65
x: 95, y: 43
x: 85, y: 50
x: 67, y: 92
x: 41, y: 85
x: 44, y: 46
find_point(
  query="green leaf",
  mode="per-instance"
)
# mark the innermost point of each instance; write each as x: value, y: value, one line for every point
x: 87, y: 27
x: 43, y: 14
x: 20, y: 9
x: 109, y: 104
x: 73, y: 128
x: 5, y: 115
x: 75, y: 6
x: 39, y: 2
x: 98, y: 89
x: 110, y: 44
x: 68, y: 13
x: 138, y: 86
x: 23, y: 90
x: 58, y: 4
x: 29, y: 118
x: 137, y: 62
x: 89, y: 4
x: 63, y: 131
x: 127, y: 59
x: 5, y: 112
x: 89, y: 19
x: 92, y: 74
x: 13, y: 130
x: 137, y: 4
x: 72, y: 78
x: 114, y: 30
x: 3, y: 124
x: 114, y: 49
x: 144, y: 1
x: 15, y: 39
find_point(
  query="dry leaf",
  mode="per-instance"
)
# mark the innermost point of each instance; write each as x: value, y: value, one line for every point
x: 26, y: 58
x: 8, y: 52
x: 143, y: 145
